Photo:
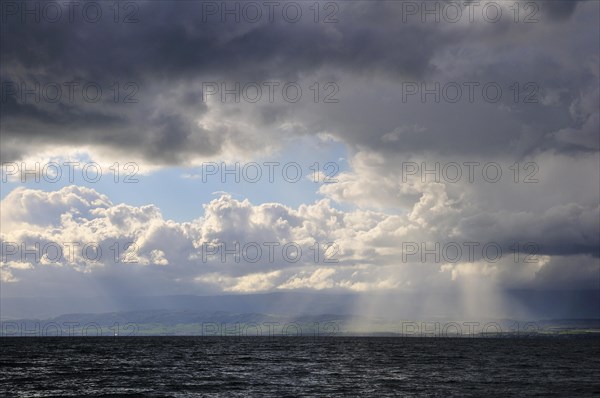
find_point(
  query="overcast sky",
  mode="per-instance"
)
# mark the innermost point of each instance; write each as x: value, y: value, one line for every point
x: 366, y: 133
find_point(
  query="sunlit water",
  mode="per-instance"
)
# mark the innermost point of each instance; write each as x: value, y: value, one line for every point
x: 343, y: 366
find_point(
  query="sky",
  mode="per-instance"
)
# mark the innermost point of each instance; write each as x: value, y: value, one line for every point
x: 190, y: 147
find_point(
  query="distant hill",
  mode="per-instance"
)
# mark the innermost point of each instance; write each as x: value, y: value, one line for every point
x: 198, y: 323
x: 423, y: 305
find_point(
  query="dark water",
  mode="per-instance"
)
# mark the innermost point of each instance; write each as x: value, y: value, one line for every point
x: 352, y: 366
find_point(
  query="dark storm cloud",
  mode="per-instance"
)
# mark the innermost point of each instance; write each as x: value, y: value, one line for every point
x: 175, y: 46
x: 171, y: 40
x: 559, y: 10
x: 171, y: 46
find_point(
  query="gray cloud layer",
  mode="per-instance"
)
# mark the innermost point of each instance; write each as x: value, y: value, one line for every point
x: 370, y: 52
